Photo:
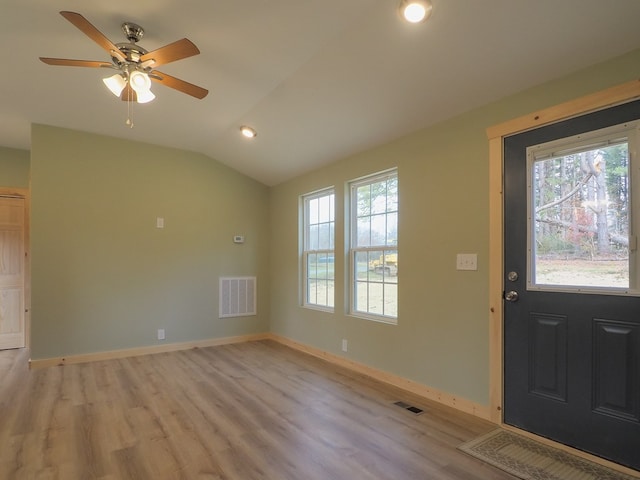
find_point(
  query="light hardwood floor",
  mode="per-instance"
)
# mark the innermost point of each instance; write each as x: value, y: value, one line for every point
x: 256, y: 410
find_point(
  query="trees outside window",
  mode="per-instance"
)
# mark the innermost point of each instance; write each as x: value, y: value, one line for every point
x: 580, y: 209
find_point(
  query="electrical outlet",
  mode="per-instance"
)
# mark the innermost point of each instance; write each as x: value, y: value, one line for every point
x: 161, y: 334
x: 345, y: 345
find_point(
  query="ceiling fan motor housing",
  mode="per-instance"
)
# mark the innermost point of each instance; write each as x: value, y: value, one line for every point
x: 131, y: 53
x: 132, y: 31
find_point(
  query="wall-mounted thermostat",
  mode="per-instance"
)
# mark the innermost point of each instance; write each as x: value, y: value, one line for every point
x: 238, y: 239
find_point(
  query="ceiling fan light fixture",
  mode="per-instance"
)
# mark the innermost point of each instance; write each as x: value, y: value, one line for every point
x: 141, y: 84
x: 415, y: 11
x: 140, y: 81
x: 115, y: 83
x: 145, y: 96
x: 248, y: 131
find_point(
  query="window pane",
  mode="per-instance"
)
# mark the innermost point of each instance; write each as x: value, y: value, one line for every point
x: 378, y: 229
x: 332, y: 207
x: 312, y: 291
x: 361, y: 297
x: 363, y: 232
x: 392, y: 194
x: 332, y: 235
x: 325, y: 209
x: 313, y: 211
x: 376, y: 298
x: 392, y: 229
x: 314, y: 243
x: 330, y: 286
x: 324, y: 234
x: 388, y: 266
x: 362, y: 265
x: 312, y: 265
x: 363, y: 200
x: 325, y: 265
x: 581, y: 211
x: 379, y: 197
x: 391, y: 299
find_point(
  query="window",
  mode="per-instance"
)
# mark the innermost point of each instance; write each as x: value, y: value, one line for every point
x: 581, y: 213
x: 318, y: 252
x: 374, y: 247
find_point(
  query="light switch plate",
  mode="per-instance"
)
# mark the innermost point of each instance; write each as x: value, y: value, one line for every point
x: 467, y: 261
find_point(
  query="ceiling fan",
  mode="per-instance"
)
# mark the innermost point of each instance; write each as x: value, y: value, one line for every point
x: 134, y: 65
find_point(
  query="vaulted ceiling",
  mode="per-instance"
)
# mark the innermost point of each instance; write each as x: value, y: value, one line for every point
x: 318, y: 79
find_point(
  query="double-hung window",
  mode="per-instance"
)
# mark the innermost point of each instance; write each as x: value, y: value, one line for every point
x: 319, y: 249
x: 374, y: 247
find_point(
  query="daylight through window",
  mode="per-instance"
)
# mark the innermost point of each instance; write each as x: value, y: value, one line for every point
x: 319, y: 254
x: 581, y: 213
x: 374, y: 247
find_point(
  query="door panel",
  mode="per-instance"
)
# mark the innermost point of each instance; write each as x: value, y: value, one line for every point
x: 571, y: 359
x: 548, y: 356
x: 12, y: 273
x: 616, y: 376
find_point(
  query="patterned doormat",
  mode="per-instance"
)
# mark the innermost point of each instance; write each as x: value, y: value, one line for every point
x: 531, y: 460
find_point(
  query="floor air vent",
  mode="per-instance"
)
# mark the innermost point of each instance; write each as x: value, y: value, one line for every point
x: 237, y: 296
x: 410, y: 408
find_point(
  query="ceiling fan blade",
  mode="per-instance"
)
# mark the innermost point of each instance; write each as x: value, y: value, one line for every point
x: 66, y: 62
x: 90, y: 31
x: 170, y: 53
x: 180, y: 85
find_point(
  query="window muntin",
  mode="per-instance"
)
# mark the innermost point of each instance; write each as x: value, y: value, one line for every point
x: 319, y: 249
x: 581, y: 213
x: 374, y: 247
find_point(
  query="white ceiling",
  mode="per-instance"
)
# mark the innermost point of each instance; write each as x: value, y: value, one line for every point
x: 318, y: 79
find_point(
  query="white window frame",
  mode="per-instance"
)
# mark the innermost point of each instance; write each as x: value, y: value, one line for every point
x: 327, y: 253
x: 386, y: 247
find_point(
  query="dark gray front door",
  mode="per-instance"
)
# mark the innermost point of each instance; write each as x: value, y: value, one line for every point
x: 572, y: 284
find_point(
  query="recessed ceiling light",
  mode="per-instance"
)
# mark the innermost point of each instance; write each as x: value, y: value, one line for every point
x: 248, y: 131
x: 415, y: 11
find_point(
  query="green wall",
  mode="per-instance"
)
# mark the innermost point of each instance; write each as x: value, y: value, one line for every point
x: 104, y: 277
x: 442, y: 336
x: 14, y: 168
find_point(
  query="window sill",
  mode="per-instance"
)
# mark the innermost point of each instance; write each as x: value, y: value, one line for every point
x: 375, y: 318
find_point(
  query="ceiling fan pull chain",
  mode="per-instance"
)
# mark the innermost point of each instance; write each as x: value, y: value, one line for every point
x: 129, y: 121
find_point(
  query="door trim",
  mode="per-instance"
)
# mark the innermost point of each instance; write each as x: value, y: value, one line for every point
x: 26, y: 195
x: 619, y: 94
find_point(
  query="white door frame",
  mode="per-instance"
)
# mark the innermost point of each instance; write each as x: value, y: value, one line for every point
x: 607, y: 98
x: 24, y: 194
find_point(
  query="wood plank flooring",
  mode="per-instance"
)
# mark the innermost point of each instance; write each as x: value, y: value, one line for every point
x: 256, y: 410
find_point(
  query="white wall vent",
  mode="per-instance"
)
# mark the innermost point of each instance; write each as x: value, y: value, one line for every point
x: 237, y: 296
